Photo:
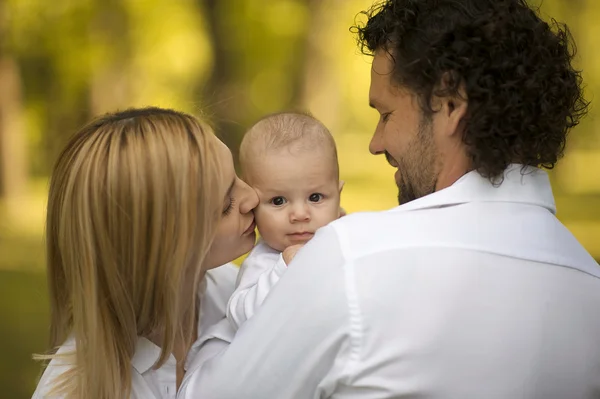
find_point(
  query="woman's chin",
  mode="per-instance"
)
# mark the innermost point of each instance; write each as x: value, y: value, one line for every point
x: 249, y: 243
x: 225, y: 256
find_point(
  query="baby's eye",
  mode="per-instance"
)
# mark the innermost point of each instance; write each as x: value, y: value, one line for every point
x: 316, y: 197
x: 278, y: 201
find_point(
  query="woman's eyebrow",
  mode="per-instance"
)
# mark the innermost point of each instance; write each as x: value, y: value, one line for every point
x: 230, y: 187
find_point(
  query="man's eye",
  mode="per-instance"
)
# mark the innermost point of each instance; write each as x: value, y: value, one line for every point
x: 316, y: 197
x: 278, y: 201
x: 385, y: 116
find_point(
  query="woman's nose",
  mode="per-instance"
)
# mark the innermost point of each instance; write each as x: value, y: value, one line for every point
x: 249, y: 199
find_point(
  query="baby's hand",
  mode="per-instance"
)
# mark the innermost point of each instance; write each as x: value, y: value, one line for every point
x: 290, y: 252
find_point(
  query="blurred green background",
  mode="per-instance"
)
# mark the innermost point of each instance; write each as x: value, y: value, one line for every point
x: 62, y: 62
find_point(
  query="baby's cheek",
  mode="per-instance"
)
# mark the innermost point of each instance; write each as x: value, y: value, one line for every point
x: 274, y: 235
x: 261, y: 217
x: 327, y: 216
x: 269, y: 223
x: 336, y: 211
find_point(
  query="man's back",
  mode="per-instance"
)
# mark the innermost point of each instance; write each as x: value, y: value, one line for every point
x: 474, y: 314
x: 474, y: 292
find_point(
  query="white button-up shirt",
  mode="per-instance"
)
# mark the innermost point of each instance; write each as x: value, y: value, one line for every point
x: 147, y: 382
x: 473, y: 292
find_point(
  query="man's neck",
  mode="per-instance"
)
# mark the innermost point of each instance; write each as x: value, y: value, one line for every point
x: 451, y: 171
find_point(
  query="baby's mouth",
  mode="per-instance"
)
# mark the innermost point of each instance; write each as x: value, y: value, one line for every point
x: 301, y: 235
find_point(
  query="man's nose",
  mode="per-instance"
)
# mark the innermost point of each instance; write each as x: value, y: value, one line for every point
x: 376, y: 144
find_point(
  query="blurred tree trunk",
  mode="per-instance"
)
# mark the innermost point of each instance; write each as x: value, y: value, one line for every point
x: 227, y: 101
x: 13, y: 163
x: 63, y: 118
x: 318, y: 84
x: 109, y: 87
x: 99, y: 47
x: 311, y: 56
x: 214, y: 95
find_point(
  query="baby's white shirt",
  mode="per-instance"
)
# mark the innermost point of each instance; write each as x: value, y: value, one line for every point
x: 259, y: 272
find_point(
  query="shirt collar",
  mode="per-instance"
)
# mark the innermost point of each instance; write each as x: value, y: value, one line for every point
x: 146, y: 355
x: 520, y: 184
x: 147, y: 352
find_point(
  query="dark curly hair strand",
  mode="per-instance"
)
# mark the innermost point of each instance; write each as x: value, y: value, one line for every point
x: 523, y: 93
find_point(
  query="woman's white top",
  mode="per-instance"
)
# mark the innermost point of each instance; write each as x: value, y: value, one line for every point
x: 147, y: 382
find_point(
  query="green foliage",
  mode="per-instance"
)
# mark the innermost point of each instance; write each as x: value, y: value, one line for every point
x: 24, y: 320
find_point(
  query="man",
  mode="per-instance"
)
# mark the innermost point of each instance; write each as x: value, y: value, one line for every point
x: 471, y: 288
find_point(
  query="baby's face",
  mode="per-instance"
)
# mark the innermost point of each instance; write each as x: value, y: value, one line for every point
x: 298, y: 192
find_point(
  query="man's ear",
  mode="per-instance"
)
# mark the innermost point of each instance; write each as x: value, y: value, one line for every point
x: 456, y: 109
x: 453, y: 107
x: 342, y: 185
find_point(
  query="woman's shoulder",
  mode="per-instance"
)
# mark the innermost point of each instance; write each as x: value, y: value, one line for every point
x: 61, y: 363
x: 64, y: 360
x: 222, y: 278
x: 217, y: 288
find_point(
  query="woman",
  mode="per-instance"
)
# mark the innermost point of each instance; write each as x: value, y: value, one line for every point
x: 142, y: 203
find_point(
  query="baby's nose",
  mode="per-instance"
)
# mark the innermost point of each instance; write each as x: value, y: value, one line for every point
x: 300, y: 213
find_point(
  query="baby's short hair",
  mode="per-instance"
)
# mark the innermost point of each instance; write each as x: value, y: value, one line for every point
x: 286, y: 130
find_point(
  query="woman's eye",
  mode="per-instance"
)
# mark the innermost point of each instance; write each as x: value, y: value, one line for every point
x: 385, y: 116
x: 278, y: 201
x: 316, y: 197
x: 229, y: 207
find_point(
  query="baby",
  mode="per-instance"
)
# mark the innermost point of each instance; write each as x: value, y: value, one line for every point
x: 290, y: 159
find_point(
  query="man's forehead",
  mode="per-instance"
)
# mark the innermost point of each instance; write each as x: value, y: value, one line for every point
x: 383, y: 62
x: 381, y: 73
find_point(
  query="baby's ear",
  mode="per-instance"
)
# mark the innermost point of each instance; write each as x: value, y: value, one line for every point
x: 342, y: 185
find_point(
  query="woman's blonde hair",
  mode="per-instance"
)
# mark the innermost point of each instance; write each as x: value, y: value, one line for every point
x: 134, y: 203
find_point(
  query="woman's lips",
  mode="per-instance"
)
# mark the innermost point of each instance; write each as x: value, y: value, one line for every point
x: 251, y: 228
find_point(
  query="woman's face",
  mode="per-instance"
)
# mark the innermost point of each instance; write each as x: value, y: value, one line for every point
x: 235, y: 232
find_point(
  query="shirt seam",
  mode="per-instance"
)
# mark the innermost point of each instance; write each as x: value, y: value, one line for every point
x: 355, y: 317
x: 475, y: 249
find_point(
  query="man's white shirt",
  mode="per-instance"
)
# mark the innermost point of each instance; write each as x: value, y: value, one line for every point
x: 474, y: 292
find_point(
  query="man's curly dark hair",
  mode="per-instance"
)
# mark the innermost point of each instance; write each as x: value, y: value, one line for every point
x: 523, y: 93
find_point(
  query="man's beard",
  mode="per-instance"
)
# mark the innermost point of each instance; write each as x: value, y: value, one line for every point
x: 417, y: 167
